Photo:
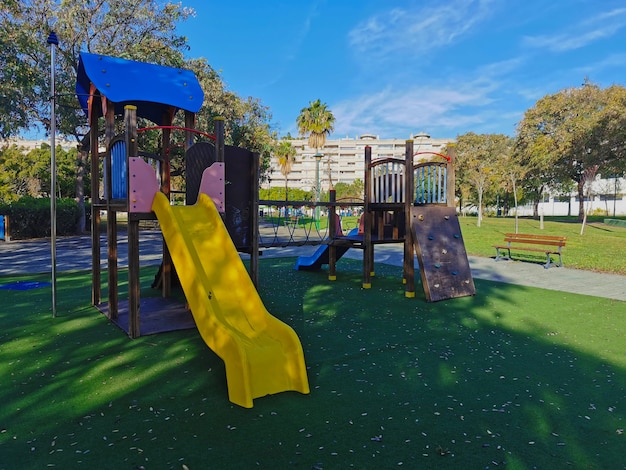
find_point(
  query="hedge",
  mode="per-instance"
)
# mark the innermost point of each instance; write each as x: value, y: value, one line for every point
x: 30, y: 217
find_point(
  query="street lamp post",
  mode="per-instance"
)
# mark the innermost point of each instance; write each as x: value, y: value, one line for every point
x: 318, y: 158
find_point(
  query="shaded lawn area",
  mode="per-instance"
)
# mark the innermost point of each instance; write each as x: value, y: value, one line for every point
x: 515, y: 376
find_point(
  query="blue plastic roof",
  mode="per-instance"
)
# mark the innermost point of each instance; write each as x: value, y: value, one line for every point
x: 151, y: 87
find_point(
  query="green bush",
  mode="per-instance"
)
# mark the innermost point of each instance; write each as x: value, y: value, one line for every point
x: 30, y: 217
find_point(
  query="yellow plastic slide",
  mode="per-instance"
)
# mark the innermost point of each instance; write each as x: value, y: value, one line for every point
x: 262, y: 354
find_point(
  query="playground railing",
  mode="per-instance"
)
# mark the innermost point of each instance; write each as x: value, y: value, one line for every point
x: 297, y: 223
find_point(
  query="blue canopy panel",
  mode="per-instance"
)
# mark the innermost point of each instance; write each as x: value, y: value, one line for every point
x: 152, y: 88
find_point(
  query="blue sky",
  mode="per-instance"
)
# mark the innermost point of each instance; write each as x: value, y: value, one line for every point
x: 395, y: 68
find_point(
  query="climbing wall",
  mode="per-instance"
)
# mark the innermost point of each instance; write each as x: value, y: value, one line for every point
x: 438, y: 241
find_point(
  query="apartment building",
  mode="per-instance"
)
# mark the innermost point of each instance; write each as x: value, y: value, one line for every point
x: 343, y: 160
x: 29, y: 145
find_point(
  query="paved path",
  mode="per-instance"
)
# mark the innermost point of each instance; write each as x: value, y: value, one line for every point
x: 74, y: 253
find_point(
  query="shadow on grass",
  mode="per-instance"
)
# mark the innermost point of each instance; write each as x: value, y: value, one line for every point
x: 514, y: 376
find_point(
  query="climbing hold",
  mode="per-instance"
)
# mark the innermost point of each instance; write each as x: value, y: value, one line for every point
x: 447, y: 217
x: 430, y: 237
x: 444, y: 252
x: 420, y: 217
x: 454, y: 273
x: 456, y: 235
x: 437, y: 265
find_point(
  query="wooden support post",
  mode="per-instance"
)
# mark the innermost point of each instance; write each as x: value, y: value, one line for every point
x: 254, y: 218
x: 368, y: 252
x: 130, y: 134
x: 450, y: 175
x: 109, y: 122
x: 96, y: 271
x: 332, y: 234
x: 409, y: 265
x: 134, y: 288
x: 218, y: 123
x: 190, y: 123
x: 166, y: 262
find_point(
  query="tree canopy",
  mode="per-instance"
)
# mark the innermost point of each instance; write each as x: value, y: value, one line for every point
x: 143, y: 30
x: 317, y: 121
x: 135, y: 29
x: 569, y: 133
x: 479, y: 160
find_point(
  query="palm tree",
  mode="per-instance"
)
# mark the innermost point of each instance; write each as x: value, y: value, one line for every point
x: 318, y: 122
x: 286, y: 155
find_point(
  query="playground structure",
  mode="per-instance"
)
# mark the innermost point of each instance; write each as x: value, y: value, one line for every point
x: 4, y: 228
x: 262, y: 355
x: 409, y: 203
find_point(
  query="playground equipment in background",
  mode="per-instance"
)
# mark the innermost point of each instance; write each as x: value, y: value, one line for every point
x: 322, y: 254
x: 4, y: 228
x: 262, y: 355
x: 410, y: 203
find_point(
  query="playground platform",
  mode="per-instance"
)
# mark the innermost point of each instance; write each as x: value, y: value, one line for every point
x: 74, y: 254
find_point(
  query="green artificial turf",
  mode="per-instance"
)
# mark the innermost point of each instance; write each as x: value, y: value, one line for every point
x: 514, y: 377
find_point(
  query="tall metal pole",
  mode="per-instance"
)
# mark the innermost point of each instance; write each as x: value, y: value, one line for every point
x: 318, y: 157
x: 53, y: 41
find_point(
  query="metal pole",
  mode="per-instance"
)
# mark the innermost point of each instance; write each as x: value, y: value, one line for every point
x: 53, y: 41
x: 318, y: 157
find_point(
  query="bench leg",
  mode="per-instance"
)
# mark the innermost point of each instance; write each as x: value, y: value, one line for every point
x: 505, y: 257
x: 549, y: 261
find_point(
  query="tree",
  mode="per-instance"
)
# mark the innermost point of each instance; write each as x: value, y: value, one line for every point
x: 143, y: 30
x: 286, y: 155
x: 246, y: 121
x: 18, y: 84
x: 589, y: 176
x: 512, y: 170
x: 318, y: 122
x: 133, y: 29
x: 478, y: 162
x: 572, y: 131
x: 28, y: 173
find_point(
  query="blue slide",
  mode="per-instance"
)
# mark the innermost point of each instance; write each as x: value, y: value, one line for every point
x: 320, y: 257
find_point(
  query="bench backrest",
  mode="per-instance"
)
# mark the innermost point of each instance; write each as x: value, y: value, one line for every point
x: 551, y: 240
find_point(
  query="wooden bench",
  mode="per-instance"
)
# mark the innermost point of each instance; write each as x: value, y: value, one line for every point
x: 548, y: 244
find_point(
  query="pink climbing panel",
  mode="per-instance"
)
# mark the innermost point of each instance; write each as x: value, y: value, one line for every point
x: 212, y: 184
x: 143, y: 185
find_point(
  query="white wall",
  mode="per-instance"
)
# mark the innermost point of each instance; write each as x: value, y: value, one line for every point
x: 602, y: 199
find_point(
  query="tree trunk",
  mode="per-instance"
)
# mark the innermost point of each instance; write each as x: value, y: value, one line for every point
x: 286, y: 189
x: 480, y: 207
x: 515, y: 201
x: 581, y: 200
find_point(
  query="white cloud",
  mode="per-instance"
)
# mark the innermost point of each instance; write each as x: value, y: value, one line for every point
x: 415, y: 30
x: 440, y: 110
x: 601, y: 26
x: 610, y: 62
